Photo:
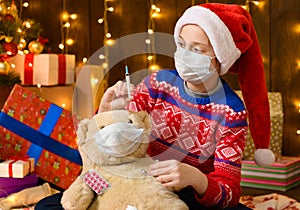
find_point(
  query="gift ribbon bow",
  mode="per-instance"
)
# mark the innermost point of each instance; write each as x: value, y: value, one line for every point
x: 42, y: 40
x: 15, y: 159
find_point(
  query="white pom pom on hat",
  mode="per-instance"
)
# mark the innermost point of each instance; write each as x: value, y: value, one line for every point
x: 264, y: 157
x: 233, y: 37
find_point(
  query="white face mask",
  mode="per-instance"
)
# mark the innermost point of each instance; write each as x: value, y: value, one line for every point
x: 120, y: 139
x: 193, y: 67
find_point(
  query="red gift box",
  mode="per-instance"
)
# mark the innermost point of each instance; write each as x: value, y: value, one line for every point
x: 38, y: 128
x: 13, y: 185
x: 45, y: 69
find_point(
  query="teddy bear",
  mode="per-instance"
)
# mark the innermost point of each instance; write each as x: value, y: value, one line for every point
x: 113, y: 147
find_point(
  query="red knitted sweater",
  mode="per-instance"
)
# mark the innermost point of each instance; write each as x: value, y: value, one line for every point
x: 208, y: 132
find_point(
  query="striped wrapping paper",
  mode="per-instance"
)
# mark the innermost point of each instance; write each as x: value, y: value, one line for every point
x: 282, y: 175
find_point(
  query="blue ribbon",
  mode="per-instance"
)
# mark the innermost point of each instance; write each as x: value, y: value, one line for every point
x: 39, y: 138
x: 46, y: 128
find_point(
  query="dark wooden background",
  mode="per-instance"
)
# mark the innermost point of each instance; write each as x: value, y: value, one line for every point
x: 277, y: 25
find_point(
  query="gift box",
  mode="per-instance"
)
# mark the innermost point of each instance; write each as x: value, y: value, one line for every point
x: 61, y: 95
x: 89, y: 89
x: 276, y: 116
x: 42, y: 130
x: 13, y: 185
x: 282, y: 175
x: 271, y: 201
x: 45, y: 69
x: 16, y: 168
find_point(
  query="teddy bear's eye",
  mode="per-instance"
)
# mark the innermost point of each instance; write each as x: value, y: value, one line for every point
x: 102, y: 127
x: 130, y: 121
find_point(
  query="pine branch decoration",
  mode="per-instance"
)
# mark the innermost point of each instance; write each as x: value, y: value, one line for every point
x: 9, y: 79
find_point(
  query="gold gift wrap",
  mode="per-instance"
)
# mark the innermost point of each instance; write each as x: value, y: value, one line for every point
x: 276, y: 115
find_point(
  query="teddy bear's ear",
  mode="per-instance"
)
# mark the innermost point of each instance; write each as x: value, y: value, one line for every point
x: 147, y: 120
x: 141, y: 114
x: 141, y: 118
x: 82, y: 130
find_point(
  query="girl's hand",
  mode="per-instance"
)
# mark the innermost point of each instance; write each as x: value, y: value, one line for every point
x: 115, y: 97
x: 172, y: 173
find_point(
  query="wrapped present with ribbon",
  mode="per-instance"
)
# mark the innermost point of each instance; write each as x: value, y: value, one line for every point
x: 276, y: 116
x: 17, y: 167
x: 282, y: 175
x: 45, y: 69
x: 42, y: 130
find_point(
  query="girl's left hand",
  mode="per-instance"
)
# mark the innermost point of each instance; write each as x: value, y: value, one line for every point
x: 172, y: 173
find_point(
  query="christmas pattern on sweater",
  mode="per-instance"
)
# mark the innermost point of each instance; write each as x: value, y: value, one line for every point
x: 205, y: 132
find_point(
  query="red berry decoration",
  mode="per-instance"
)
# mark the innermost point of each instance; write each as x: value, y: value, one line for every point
x: 11, y: 48
x: 9, y: 17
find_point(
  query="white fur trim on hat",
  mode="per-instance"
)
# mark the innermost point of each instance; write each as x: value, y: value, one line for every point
x: 218, y: 33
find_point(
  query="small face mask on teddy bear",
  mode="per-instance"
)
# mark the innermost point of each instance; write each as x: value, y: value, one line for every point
x: 120, y: 139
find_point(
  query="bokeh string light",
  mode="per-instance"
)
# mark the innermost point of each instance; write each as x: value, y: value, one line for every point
x: 107, y: 35
x: 153, y: 17
x: 65, y: 27
x: 154, y: 13
x: 298, y: 107
x: 259, y: 4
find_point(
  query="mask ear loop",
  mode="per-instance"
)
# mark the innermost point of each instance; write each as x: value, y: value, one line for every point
x: 216, y: 69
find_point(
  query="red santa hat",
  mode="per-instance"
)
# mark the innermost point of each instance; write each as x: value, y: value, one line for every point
x: 232, y: 35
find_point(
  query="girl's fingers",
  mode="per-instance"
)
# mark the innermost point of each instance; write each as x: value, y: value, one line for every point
x: 162, y: 167
x: 121, y: 90
x: 115, y: 97
x: 118, y: 88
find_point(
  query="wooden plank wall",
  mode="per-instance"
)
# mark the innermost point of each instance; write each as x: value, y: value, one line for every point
x: 285, y: 68
x: 277, y: 24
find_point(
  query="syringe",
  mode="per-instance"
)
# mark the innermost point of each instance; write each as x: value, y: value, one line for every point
x: 127, y: 81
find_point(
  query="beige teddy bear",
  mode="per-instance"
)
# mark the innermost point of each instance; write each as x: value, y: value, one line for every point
x: 113, y: 148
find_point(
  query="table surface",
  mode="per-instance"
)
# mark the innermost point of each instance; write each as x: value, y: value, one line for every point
x: 293, y: 193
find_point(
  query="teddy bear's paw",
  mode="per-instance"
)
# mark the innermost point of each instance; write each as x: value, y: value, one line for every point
x: 69, y: 206
x: 78, y: 196
x: 171, y: 198
x: 78, y: 203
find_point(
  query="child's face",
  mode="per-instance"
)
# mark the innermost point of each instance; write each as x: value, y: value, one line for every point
x: 195, y: 39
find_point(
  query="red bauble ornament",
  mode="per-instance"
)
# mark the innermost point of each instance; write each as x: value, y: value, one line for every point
x: 11, y: 48
x: 9, y: 17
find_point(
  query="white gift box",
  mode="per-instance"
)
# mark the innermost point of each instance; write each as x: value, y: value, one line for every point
x: 16, y: 168
x: 45, y: 69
